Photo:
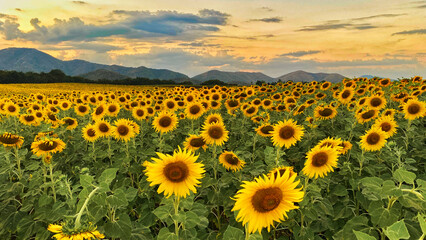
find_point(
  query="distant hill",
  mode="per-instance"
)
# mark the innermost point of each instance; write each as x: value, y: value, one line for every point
x: 33, y: 60
x: 244, y: 78
x: 302, y: 76
x: 103, y: 74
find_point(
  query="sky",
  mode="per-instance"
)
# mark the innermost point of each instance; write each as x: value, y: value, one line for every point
x: 383, y: 38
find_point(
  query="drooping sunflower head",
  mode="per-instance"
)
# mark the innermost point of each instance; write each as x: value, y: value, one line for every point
x: 320, y: 161
x: 325, y: 112
x: 47, y: 146
x: 165, y: 122
x: 67, y: 230
x: 345, y: 147
x: 373, y: 140
x: 265, y: 130
x: 215, y: 133
x: 194, y: 110
x: 387, y: 124
x: 266, y: 200
x: 413, y: 109
x: 176, y: 174
x: 69, y: 122
x: 331, y: 142
x: 281, y: 171
x: 123, y: 130
x: 11, y: 140
x: 230, y: 161
x: 367, y: 115
x: 194, y: 142
x: 287, y: 133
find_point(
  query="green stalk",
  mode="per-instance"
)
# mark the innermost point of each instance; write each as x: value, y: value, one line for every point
x: 176, y: 207
x: 254, y: 147
x: 18, y: 162
x: 77, y: 223
x: 247, y: 232
x: 278, y: 157
x: 53, y: 182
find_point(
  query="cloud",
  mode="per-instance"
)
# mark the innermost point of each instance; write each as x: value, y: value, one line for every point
x: 267, y: 9
x: 80, y: 2
x: 19, y: 9
x: 92, y: 46
x: 411, y: 32
x: 331, y: 25
x: 267, y: 20
x: 8, y: 17
x: 131, y: 25
x: 299, y: 53
x: 198, y: 44
x: 377, y: 16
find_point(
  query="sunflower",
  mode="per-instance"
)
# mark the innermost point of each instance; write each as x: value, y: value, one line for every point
x: 413, y: 109
x: 325, y: 112
x: 102, y: 128
x: 376, y: 102
x: 176, y: 174
x: 320, y: 161
x: 214, y: 133
x: 165, y: 122
x: 170, y: 105
x: 214, y: 117
x: 194, y: 142
x: 112, y: 109
x: 89, y: 133
x: 29, y: 120
x: 330, y: 142
x: 265, y: 130
x: 65, y: 105
x: 11, y: 140
x: 67, y: 232
x: 230, y: 161
x: 387, y: 124
x: 81, y: 109
x: 373, y: 140
x: 71, y: 123
x: 47, y: 146
x: 346, y: 95
x: 11, y: 109
x: 123, y: 130
x: 266, y: 199
x: 286, y: 133
x: 194, y: 110
x: 99, y: 112
x: 232, y: 104
x: 281, y: 171
x: 367, y: 115
x: 250, y: 111
x: 345, y: 147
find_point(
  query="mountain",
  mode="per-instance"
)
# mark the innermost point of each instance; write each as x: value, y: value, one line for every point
x: 33, y: 60
x: 103, y: 74
x: 302, y: 76
x: 243, y: 78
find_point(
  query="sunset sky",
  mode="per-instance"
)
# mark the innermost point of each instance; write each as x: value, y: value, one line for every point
x: 379, y: 37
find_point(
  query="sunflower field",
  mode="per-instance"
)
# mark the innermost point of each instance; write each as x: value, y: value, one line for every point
x: 315, y: 160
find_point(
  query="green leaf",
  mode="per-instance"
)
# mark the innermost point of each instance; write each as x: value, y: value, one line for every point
x: 422, y: 223
x: 86, y: 181
x: 233, y: 233
x: 119, y: 229
x: 163, y: 212
x: 363, y: 236
x: 106, y: 177
x: 381, y: 216
x: 165, y: 234
x: 116, y: 201
x: 397, y: 231
x: 44, y: 200
x: 255, y: 236
x: 403, y: 175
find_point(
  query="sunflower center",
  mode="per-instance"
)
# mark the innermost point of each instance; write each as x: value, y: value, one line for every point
x: 319, y: 159
x: 257, y: 102
x: 346, y: 94
x: 385, y: 126
x: 215, y: 97
x: 123, y: 130
x: 165, y: 121
x: 99, y: 110
x: 301, y: 109
x: 170, y: 105
x: 176, y: 172
x: 231, y: 159
x: 326, y: 112
x: 64, y: 105
x: 9, y: 139
x: 384, y: 82
x: 91, y: 132
x: 286, y: 132
x: 266, y: 200
x: 82, y: 109
x: 215, y: 132
x: 367, y: 115
x: 112, y: 108
x: 197, y: 142
x: 194, y: 109
x: 373, y: 138
x: 51, y: 117
x: 375, y: 102
x: 213, y: 120
x: 267, y: 102
x: 267, y: 129
x: 48, y: 145
x: 29, y: 118
x: 233, y: 103
x: 413, y: 108
x: 11, y: 108
x: 103, y: 127
x: 69, y: 121
x: 140, y: 113
x: 251, y: 110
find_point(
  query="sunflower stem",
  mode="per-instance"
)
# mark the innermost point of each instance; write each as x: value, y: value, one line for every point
x: 53, y: 182
x: 406, y: 134
x: 109, y: 150
x: 93, y: 151
x: 254, y: 147
x: 278, y: 157
x: 160, y: 144
x: 247, y: 232
x: 361, y: 161
x: 18, y: 162
x: 176, y: 207
x: 77, y: 223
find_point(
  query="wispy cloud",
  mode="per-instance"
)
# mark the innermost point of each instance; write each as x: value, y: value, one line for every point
x: 80, y: 2
x: 299, y: 53
x: 8, y: 17
x: 411, y: 32
x: 267, y: 9
x: 377, y: 16
x: 267, y: 20
x: 331, y: 25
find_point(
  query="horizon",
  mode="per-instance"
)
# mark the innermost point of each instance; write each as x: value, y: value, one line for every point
x: 352, y: 39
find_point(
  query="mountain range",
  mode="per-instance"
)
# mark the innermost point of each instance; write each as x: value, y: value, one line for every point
x: 33, y: 60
